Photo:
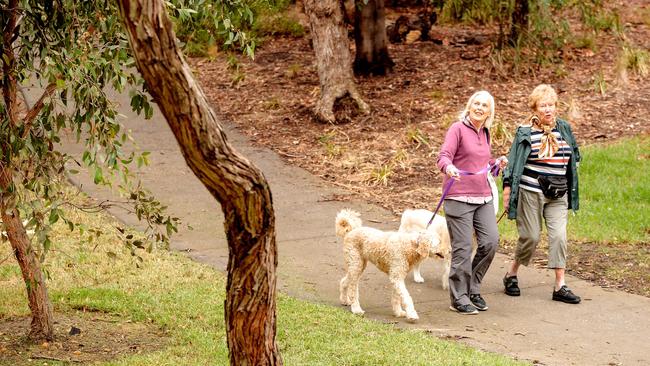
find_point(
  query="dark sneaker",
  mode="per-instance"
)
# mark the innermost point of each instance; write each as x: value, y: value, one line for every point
x: 511, y: 285
x: 565, y: 295
x: 478, y: 302
x: 464, y: 309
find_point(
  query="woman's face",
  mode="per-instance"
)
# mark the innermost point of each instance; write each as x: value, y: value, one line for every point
x: 479, y: 109
x: 546, y: 110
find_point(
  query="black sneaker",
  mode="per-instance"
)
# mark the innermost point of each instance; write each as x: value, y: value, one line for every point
x: 565, y: 295
x: 511, y: 285
x: 478, y: 302
x: 464, y: 309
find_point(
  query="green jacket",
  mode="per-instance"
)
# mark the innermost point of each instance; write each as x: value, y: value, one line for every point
x: 518, y: 155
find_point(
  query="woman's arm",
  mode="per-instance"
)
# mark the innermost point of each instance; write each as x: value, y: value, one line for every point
x: 449, y: 148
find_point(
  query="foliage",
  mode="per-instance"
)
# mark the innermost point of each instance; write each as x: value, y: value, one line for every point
x: 331, y: 147
x: 200, y: 24
x: 234, y: 24
x: 278, y: 24
x: 185, y: 300
x: 415, y: 136
x: 633, y: 59
x: 600, y: 84
x: 77, y: 51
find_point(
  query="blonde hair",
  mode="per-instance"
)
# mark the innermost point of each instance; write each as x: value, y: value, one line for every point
x: 540, y: 92
x: 490, y: 118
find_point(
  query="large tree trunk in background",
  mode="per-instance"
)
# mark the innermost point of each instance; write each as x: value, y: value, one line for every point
x: 236, y: 183
x: 39, y: 302
x: 519, y: 23
x: 370, y: 38
x: 330, y: 40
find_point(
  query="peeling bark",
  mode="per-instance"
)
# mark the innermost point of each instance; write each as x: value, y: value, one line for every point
x: 331, y: 46
x: 41, y: 327
x: 240, y: 187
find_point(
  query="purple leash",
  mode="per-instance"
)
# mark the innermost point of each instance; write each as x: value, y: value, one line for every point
x: 492, y: 168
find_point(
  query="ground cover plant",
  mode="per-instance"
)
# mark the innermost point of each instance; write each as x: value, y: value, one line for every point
x: 161, y: 308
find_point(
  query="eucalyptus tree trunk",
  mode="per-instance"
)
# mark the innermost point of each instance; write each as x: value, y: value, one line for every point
x: 39, y: 303
x: 370, y: 38
x: 332, y: 50
x: 240, y: 188
x: 41, y: 327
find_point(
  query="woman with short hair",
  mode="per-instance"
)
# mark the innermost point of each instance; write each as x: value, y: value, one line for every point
x: 541, y: 184
x: 469, y: 203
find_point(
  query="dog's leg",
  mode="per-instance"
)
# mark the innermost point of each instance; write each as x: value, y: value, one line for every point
x: 343, y: 289
x: 400, y: 288
x: 354, y: 273
x: 445, y: 274
x: 417, y: 276
x: 396, y: 302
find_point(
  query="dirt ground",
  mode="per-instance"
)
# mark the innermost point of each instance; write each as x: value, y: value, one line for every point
x: 80, y: 337
x: 388, y: 157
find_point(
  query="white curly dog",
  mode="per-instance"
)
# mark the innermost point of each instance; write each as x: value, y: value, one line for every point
x: 417, y: 220
x: 394, y: 253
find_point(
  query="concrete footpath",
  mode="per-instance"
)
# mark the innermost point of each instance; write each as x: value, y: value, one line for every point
x: 608, y: 328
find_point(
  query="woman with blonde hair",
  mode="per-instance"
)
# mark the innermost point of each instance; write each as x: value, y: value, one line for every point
x: 468, y: 203
x: 541, y: 184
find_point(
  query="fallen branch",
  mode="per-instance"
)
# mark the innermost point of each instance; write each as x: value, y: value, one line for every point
x: 50, y: 358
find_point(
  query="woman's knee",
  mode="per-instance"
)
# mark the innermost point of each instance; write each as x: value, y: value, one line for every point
x: 529, y: 238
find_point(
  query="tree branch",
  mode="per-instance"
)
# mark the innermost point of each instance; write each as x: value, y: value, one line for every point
x: 9, y: 62
x: 36, y: 109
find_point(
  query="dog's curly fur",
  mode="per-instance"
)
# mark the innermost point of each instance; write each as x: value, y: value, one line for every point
x: 394, y: 253
x: 417, y: 220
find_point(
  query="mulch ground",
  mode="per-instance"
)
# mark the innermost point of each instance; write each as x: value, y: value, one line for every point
x: 80, y: 338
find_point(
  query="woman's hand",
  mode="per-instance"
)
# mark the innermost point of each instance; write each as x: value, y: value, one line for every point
x: 453, y: 172
x: 506, y: 198
x: 503, y: 162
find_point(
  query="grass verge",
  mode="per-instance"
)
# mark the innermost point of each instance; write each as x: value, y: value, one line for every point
x: 184, y: 300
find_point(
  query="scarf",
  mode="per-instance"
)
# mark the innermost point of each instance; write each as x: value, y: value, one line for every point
x: 549, y: 145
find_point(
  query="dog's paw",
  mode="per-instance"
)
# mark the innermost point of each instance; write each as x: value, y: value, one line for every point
x: 412, y: 319
x: 399, y: 313
x: 358, y: 312
x: 345, y: 301
x: 418, y: 279
x: 412, y: 316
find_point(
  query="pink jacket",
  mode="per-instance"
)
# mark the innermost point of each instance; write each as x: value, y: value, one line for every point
x: 469, y: 150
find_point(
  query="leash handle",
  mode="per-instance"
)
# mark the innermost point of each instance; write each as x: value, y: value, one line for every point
x: 492, y: 168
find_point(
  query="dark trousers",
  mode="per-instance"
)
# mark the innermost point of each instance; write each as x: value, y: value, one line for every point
x: 463, y: 220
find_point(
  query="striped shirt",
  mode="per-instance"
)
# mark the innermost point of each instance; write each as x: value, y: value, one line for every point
x: 554, y: 166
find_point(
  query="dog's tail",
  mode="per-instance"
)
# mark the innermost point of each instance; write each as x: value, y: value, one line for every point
x: 346, y: 221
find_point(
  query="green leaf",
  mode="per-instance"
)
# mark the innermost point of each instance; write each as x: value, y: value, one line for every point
x: 99, y: 176
x: 54, y: 217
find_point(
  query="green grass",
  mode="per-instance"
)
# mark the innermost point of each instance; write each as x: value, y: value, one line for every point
x: 185, y: 299
x: 614, y: 194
